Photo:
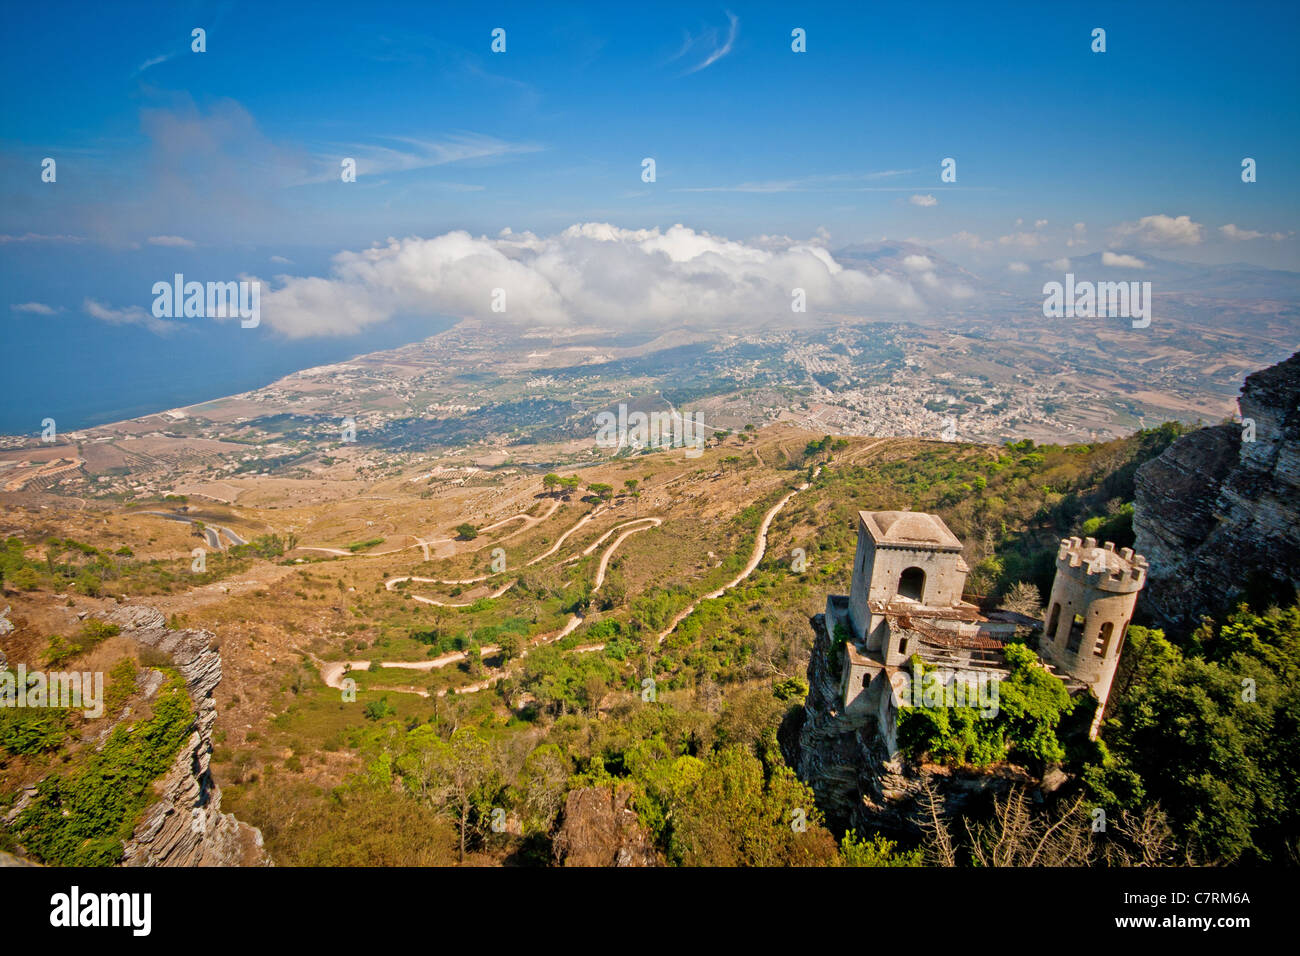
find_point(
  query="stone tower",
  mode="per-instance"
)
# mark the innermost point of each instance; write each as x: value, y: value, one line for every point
x: 905, y: 561
x: 1088, y: 614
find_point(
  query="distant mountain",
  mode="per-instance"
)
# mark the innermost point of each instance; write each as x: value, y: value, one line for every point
x: 1234, y: 281
x: 906, y: 260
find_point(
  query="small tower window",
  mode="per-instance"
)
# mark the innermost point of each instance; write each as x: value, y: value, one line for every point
x: 1054, y: 622
x: 911, y: 584
x: 1103, y: 639
x: 1076, y: 634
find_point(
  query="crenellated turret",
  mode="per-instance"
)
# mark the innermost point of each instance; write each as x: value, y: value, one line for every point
x: 1087, y: 616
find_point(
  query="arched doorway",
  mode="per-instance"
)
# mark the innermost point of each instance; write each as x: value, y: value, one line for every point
x: 911, y: 584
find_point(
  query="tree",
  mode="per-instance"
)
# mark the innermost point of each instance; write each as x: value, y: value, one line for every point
x: 1023, y: 598
x: 466, y: 531
x: 731, y: 816
x: 459, y: 777
x: 511, y: 645
x: 474, y: 659
x: 551, y: 481
x: 875, y: 852
x: 541, y: 788
x: 1215, y: 739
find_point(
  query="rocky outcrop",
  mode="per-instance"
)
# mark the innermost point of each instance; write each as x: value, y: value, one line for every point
x: 843, y: 759
x: 1218, y: 513
x: 185, y: 826
x: 600, y: 828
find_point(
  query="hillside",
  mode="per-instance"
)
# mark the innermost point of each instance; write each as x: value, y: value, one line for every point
x: 559, y: 643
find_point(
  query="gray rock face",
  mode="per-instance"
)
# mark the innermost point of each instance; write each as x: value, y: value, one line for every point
x: 1218, y: 517
x: 846, y: 763
x: 186, y: 827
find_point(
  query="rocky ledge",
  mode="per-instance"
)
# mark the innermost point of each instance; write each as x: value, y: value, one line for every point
x: 1218, y: 513
x: 185, y: 826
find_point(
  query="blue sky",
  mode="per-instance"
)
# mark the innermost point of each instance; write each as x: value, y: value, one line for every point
x: 226, y: 162
x: 221, y: 148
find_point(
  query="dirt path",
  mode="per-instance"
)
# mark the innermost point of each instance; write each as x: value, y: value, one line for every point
x: 424, y: 600
x: 564, y: 537
x: 760, y: 548
x: 334, y: 672
x: 423, y: 543
x: 609, y: 552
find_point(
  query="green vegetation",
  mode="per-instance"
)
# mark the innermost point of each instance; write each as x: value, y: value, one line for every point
x: 92, y: 632
x: 1030, y: 706
x: 68, y: 564
x: 356, y: 546
x: 1211, y: 731
x: 876, y: 852
x: 25, y: 731
x: 81, y: 817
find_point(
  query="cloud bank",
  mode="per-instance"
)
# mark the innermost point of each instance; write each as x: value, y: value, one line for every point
x: 589, y: 273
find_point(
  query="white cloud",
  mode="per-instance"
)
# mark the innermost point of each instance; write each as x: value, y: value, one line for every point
x: 175, y: 241
x: 132, y: 315
x: 1018, y: 268
x: 916, y: 263
x: 969, y: 240
x: 710, y: 37
x: 1039, y: 223
x: 40, y: 237
x: 1059, y: 265
x: 152, y: 61
x: 35, y: 308
x: 1122, y: 261
x: 1161, y: 230
x: 407, y: 154
x: 1232, y: 232
x: 592, y: 273
x: 926, y: 200
x: 1025, y: 240
x: 281, y: 260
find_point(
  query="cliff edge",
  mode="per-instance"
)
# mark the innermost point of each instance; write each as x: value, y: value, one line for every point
x: 185, y: 826
x: 1218, y: 513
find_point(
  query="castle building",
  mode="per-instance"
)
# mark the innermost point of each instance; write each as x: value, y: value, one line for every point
x: 906, y: 599
x: 1088, y: 614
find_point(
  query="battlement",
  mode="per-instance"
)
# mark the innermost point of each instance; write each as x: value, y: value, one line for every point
x: 1103, y: 567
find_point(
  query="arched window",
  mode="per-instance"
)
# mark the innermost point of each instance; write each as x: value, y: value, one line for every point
x: 1053, y: 622
x: 1076, y: 634
x: 1103, y: 639
x: 911, y: 584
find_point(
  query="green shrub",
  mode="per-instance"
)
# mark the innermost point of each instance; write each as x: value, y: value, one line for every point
x: 32, y: 730
x: 82, y: 818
